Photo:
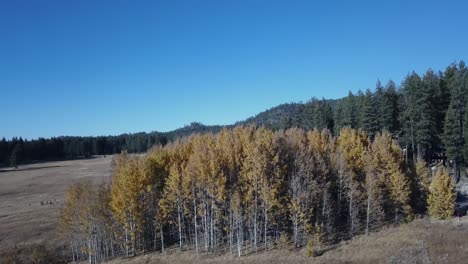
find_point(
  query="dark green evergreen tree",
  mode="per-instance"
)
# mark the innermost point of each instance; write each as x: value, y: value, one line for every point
x: 427, y: 137
x: 388, y: 108
x: 323, y: 115
x: 370, y: 114
x: 453, y: 139
x: 338, y: 117
x: 350, y: 113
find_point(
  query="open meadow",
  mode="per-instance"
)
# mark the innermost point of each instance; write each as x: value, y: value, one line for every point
x: 31, y: 196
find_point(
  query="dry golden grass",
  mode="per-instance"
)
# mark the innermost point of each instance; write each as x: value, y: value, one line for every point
x: 421, y: 241
x: 23, y: 220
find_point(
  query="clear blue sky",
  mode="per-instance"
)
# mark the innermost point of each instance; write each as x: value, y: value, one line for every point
x: 110, y: 67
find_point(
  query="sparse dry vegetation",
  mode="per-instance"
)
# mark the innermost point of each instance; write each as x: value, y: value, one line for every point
x: 421, y: 241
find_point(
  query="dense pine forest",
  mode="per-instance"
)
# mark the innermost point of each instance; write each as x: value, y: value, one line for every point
x: 426, y: 114
x: 304, y: 175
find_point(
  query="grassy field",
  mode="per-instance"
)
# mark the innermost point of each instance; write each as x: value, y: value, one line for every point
x: 31, y: 196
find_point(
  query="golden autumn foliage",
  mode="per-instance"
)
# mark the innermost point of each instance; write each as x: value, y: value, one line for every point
x: 131, y: 186
x: 442, y: 196
x: 244, y: 189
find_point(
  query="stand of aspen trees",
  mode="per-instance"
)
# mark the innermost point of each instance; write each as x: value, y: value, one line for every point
x: 245, y: 190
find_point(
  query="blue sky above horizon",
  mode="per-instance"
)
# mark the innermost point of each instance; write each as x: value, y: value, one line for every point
x: 110, y: 67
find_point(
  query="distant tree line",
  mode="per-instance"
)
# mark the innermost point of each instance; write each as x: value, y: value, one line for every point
x: 250, y: 189
x: 18, y: 151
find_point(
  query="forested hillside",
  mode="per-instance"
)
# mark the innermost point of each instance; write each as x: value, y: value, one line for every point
x: 425, y: 113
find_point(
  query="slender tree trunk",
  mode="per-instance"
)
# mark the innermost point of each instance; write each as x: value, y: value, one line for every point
x: 73, y: 249
x: 90, y: 259
x: 295, y: 229
x: 205, y: 226
x: 419, y: 151
x: 351, y: 214
x: 211, y: 225
x: 406, y: 153
x: 368, y: 215
x: 180, y: 224
x: 239, y: 235
x: 112, y: 245
x: 162, y: 236
x: 265, y: 231
x: 255, y: 220
x: 126, y: 242
x: 133, y: 238
x: 231, y: 230
x: 195, y: 221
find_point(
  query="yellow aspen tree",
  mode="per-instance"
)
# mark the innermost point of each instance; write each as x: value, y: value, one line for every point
x: 377, y: 176
x: 353, y: 146
x: 296, y: 145
x: 229, y: 152
x: 236, y: 206
x: 217, y: 189
x: 86, y: 220
x: 197, y: 180
x: 69, y: 215
x: 389, y: 156
x: 322, y: 147
x: 442, y: 196
x: 159, y: 163
x: 131, y: 184
x: 259, y: 169
x: 175, y: 195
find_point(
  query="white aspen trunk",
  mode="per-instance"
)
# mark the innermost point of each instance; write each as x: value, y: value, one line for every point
x: 112, y: 245
x: 195, y: 221
x: 368, y: 215
x: 255, y: 220
x: 340, y: 190
x: 162, y: 236
x: 205, y: 226
x: 265, y: 231
x: 180, y: 224
x: 90, y: 259
x: 295, y: 229
x: 239, y: 253
x: 133, y: 238
x: 73, y: 249
x: 126, y: 241
x: 211, y: 225
x: 351, y: 214
x: 230, y: 229
x: 155, y: 238
x: 107, y: 247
